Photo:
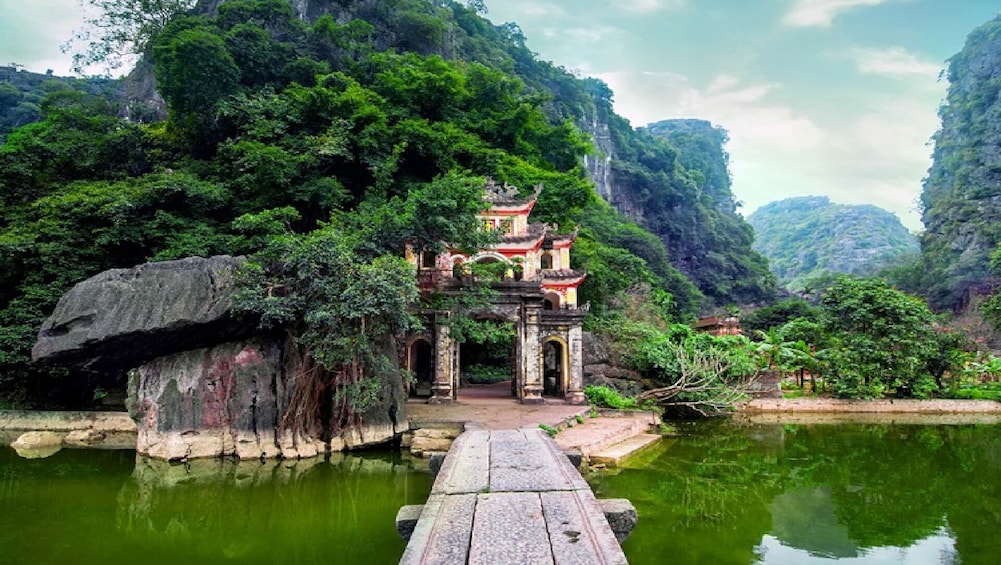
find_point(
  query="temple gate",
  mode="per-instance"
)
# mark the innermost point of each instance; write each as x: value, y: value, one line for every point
x: 538, y: 296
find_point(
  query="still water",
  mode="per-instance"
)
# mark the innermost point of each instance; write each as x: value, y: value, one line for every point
x: 725, y: 492
x: 91, y: 506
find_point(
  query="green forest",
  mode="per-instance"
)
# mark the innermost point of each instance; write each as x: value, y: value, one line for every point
x: 333, y: 139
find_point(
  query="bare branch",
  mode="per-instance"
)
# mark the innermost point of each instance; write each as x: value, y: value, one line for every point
x: 705, y: 381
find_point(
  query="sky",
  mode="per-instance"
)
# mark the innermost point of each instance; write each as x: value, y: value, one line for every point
x: 820, y: 97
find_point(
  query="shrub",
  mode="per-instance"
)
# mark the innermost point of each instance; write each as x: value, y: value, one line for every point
x: 549, y: 429
x: 605, y: 397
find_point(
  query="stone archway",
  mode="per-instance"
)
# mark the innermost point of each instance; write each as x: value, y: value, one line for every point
x: 420, y: 363
x: 555, y: 364
x: 486, y: 362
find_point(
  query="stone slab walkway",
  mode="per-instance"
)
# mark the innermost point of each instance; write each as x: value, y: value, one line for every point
x: 510, y: 496
x: 887, y: 405
x: 615, y: 454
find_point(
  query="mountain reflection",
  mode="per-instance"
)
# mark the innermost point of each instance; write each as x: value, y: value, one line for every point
x: 729, y: 492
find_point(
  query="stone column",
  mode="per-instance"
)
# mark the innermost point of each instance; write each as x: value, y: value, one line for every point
x: 532, y: 356
x: 444, y: 368
x: 575, y: 391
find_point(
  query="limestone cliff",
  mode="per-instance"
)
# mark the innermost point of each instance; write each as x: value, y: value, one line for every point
x: 961, y: 198
x: 672, y: 178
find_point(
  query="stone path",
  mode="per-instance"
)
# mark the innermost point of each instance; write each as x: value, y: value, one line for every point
x: 593, y: 436
x: 492, y: 407
x: 606, y: 439
x: 510, y: 496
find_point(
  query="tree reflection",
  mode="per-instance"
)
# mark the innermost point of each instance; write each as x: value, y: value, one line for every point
x: 833, y: 491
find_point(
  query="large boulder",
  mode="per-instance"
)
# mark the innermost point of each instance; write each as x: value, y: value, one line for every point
x: 232, y: 400
x: 121, y: 318
x: 603, y: 366
x: 209, y: 402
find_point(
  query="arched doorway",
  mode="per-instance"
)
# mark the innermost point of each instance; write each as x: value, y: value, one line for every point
x: 554, y: 363
x: 420, y: 363
x: 486, y: 359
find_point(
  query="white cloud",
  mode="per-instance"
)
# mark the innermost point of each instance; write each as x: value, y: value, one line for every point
x: 821, y: 13
x: 893, y: 61
x: 589, y: 34
x: 31, y: 33
x: 542, y: 10
x: 873, y: 153
x: 648, y: 6
x: 743, y: 109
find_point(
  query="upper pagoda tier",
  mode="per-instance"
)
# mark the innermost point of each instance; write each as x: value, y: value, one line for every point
x: 535, y: 251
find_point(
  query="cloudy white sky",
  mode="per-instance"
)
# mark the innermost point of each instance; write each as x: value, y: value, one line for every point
x: 833, y: 97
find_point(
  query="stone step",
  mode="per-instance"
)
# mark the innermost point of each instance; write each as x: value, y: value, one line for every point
x: 612, y: 456
x: 597, y: 434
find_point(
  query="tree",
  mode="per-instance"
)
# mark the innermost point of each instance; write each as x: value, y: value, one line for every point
x: 810, y: 340
x: 194, y: 71
x: 778, y: 352
x: 991, y: 308
x: 690, y: 370
x: 708, y: 378
x: 340, y: 310
x: 478, y: 6
x: 883, y: 340
x: 778, y: 314
x: 116, y: 30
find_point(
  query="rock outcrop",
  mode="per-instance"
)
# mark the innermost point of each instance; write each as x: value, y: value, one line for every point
x: 121, y: 318
x: 201, y: 384
x: 809, y: 236
x: 604, y: 366
x: 961, y: 196
x: 213, y: 401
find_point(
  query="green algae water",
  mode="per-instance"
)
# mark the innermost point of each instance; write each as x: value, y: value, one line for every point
x: 92, y: 506
x: 725, y: 492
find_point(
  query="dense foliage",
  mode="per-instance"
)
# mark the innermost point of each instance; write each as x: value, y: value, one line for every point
x: 319, y: 144
x: 672, y: 178
x: 809, y: 237
x: 362, y: 114
x: 866, y: 340
x: 960, y: 199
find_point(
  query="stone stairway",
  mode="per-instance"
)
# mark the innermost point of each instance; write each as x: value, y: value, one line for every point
x: 609, y: 438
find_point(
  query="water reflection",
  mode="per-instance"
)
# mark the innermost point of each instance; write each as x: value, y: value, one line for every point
x: 270, y: 511
x: 113, y: 507
x: 937, y: 549
x: 730, y: 493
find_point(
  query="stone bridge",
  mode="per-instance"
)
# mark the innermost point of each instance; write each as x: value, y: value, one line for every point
x: 511, y: 496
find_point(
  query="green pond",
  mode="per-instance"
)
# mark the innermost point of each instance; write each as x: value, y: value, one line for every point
x: 726, y: 492
x: 93, y: 506
x: 722, y: 492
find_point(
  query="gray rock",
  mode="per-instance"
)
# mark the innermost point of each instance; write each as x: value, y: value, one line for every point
x: 621, y: 516
x: 38, y: 444
x: 509, y: 527
x: 576, y: 458
x: 212, y: 402
x: 604, y: 367
x: 406, y: 519
x: 435, y: 461
x: 121, y: 318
